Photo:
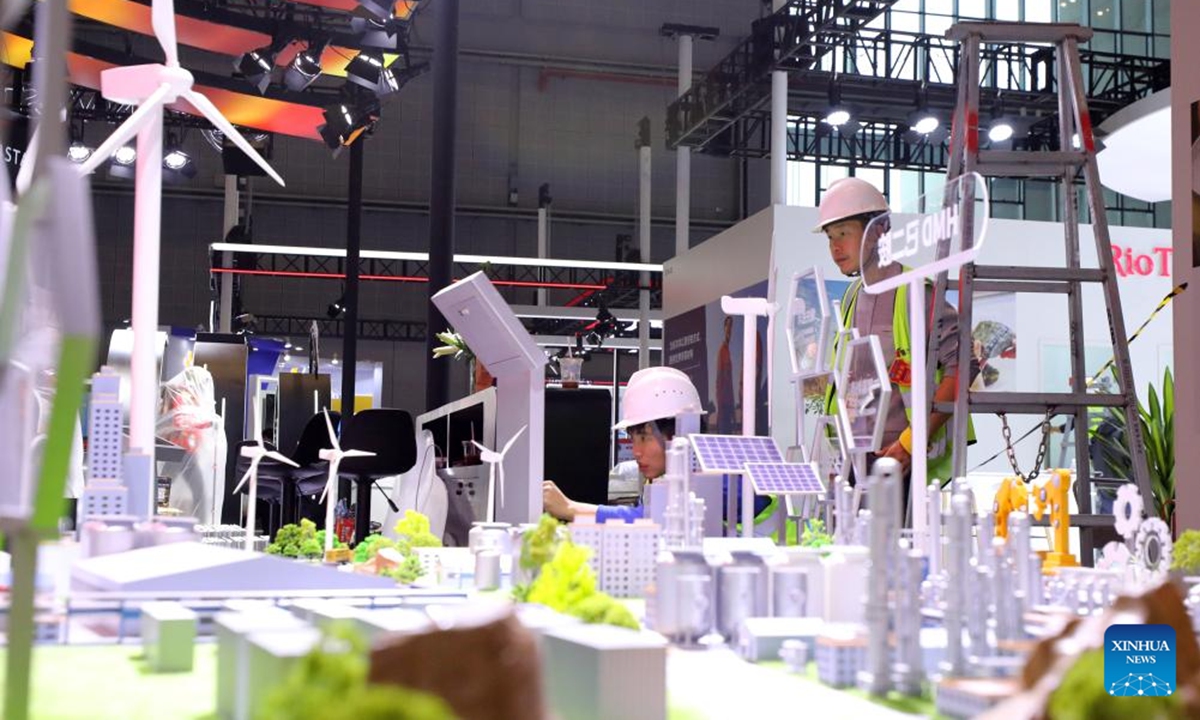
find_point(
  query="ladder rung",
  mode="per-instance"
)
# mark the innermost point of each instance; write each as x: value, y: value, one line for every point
x: 1016, y: 32
x: 1022, y: 163
x: 1021, y: 287
x: 1017, y: 403
x: 1079, y: 520
x: 1038, y: 274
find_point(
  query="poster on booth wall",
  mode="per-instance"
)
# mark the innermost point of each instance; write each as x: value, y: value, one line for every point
x: 707, y: 345
x: 994, y: 337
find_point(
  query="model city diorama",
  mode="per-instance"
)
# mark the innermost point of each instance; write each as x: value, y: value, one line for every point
x: 532, y: 618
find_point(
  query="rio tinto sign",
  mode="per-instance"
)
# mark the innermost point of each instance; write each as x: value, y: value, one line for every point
x: 1130, y: 262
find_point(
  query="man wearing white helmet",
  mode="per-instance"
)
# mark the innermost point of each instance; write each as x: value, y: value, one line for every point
x: 654, y: 398
x: 847, y: 209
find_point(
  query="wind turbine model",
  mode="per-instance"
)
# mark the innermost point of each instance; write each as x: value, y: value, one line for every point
x: 152, y: 88
x: 496, y: 459
x: 334, y: 456
x: 256, y: 453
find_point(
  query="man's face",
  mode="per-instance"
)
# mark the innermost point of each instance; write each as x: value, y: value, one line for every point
x: 649, y: 449
x: 845, y: 245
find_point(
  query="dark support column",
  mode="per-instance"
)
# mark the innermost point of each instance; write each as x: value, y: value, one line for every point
x: 441, y: 196
x: 353, y: 247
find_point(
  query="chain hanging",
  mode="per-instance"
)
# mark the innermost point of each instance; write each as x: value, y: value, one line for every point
x: 1043, y: 446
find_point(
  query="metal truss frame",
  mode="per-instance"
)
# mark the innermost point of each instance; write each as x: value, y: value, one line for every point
x: 885, y: 76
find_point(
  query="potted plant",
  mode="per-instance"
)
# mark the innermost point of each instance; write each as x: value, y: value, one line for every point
x: 457, y: 348
x: 1158, y: 433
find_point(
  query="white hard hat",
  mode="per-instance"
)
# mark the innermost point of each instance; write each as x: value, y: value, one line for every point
x: 847, y: 198
x: 656, y: 393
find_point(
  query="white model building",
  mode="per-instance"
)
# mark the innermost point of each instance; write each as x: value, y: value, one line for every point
x: 168, y: 636
x: 623, y: 554
x: 104, y: 494
x: 840, y: 658
x: 595, y: 672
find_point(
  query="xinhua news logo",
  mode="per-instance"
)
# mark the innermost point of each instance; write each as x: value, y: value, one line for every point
x: 1139, y: 660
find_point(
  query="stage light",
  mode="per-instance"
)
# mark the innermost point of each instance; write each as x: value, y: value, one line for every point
x: 365, y: 69
x: 256, y: 66
x: 838, y: 117
x: 176, y: 159
x: 78, y: 152
x: 336, y: 308
x: 125, y: 155
x: 305, y: 68
x: 926, y: 124
x: 1000, y: 131
x: 391, y: 80
x: 346, y: 120
x: 381, y: 9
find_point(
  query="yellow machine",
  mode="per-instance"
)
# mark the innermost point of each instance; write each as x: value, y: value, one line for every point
x: 1054, y: 495
x: 1013, y: 496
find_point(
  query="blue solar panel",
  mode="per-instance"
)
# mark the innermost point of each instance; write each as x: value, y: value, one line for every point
x: 785, y: 478
x: 728, y: 454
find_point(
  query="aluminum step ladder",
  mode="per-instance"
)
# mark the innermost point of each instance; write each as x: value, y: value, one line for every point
x: 1077, y: 156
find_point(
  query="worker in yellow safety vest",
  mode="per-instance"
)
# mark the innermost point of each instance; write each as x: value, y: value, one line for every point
x: 846, y: 210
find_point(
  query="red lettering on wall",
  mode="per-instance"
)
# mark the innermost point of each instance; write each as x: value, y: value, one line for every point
x: 1126, y: 262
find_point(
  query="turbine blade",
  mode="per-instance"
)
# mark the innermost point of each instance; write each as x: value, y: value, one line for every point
x: 245, y: 477
x: 328, y: 484
x: 210, y: 111
x: 28, y: 160
x: 512, y: 440
x: 358, y: 453
x: 482, y: 449
x: 332, y: 435
x: 162, y: 20
x: 282, y: 458
x: 126, y: 131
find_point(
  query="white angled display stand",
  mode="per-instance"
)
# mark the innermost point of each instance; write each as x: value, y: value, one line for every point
x: 488, y: 326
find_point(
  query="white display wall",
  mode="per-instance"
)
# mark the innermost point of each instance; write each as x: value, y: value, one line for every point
x: 738, y: 258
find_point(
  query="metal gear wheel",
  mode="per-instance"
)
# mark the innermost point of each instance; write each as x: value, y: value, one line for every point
x: 1153, y: 549
x: 1114, y: 556
x: 1127, y: 510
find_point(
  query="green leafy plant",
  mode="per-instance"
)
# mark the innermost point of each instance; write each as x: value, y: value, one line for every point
x: 1081, y: 696
x: 407, y: 572
x: 455, y: 346
x: 370, y: 547
x: 1158, y: 433
x: 330, y: 683
x: 539, y: 544
x: 567, y: 584
x: 814, y: 534
x: 414, y: 528
x: 1186, y: 555
x: 293, y: 540
x: 337, y: 543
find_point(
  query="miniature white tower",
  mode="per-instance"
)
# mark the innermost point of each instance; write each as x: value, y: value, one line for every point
x: 105, y: 493
x: 958, y: 558
x: 885, y: 509
x: 935, y: 529
x: 910, y: 662
x: 1019, y: 550
x: 678, y: 515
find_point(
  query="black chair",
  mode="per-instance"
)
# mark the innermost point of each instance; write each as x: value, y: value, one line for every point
x: 391, y: 436
x: 310, y: 476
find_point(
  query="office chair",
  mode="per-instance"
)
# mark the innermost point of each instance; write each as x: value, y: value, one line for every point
x: 391, y: 436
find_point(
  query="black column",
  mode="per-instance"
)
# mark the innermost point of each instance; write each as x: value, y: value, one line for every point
x: 353, y: 246
x: 441, y: 195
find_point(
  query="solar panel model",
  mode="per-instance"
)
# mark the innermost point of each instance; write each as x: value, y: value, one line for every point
x: 728, y: 454
x: 785, y: 478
